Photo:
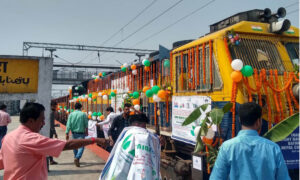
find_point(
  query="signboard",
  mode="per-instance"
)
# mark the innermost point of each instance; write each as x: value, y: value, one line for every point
x: 19, y: 76
x: 182, y: 107
x: 121, y: 84
x: 290, y: 150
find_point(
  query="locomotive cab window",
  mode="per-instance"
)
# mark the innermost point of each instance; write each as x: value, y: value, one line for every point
x: 293, y: 51
x: 260, y: 54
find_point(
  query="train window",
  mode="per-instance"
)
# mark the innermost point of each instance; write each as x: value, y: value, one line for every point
x: 257, y: 53
x: 293, y: 51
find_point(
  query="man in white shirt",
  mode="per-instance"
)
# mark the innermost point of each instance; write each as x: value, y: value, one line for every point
x: 108, y: 121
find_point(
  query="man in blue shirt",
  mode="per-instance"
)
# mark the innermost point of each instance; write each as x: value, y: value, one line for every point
x: 249, y: 156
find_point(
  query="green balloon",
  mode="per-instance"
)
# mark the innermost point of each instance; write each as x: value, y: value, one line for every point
x: 130, y: 94
x: 94, y: 114
x: 94, y: 100
x: 112, y: 94
x: 103, y: 74
x: 149, y: 93
x: 72, y: 110
x: 167, y: 63
x: 124, y: 69
x: 109, y: 97
x: 155, y: 89
x: 136, y: 94
x: 90, y: 95
x: 247, y: 71
x: 147, y: 63
x: 99, y: 114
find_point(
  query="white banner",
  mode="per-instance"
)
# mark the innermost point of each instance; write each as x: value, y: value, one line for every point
x: 182, y: 107
x: 120, y: 83
x: 116, y: 102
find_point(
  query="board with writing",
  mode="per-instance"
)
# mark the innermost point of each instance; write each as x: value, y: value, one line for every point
x: 19, y: 76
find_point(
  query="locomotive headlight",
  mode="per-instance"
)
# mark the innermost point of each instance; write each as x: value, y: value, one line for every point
x: 280, y: 26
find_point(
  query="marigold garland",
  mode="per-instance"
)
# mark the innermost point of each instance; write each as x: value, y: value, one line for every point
x: 227, y: 50
x: 278, y: 95
x: 193, y: 66
x: 181, y: 74
x: 210, y: 63
x: 171, y: 66
x: 288, y: 95
x: 189, y: 68
x: 203, y: 63
x: 207, y: 154
x: 233, y: 101
x: 198, y: 65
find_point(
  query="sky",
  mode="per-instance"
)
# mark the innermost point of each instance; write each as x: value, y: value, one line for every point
x: 92, y: 22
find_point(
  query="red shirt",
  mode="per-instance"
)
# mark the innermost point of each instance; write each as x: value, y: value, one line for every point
x: 23, y: 154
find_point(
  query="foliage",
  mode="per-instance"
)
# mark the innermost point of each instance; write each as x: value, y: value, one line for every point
x: 213, y: 117
x: 283, y: 129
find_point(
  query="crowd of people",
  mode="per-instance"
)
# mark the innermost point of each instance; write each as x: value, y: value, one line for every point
x: 24, y: 151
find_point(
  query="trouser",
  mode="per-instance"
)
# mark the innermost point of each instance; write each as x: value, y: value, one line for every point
x: 51, y: 136
x: 78, y: 152
x: 3, y: 131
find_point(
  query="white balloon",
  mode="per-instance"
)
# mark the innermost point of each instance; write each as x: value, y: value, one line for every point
x: 125, y: 96
x: 93, y: 76
x: 100, y: 94
x: 210, y: 134
x: 125, y: 65
x: 137, y: 107
x: 89, y: 99
x: 105, y: 97
x: 98, y: 118
x: 134, y: 72
x: 237, y: 64
x: 70, y: 87
x: 197, y: 130
x: 86, y: 96
x: 90, y: 113
x: 94, y: 117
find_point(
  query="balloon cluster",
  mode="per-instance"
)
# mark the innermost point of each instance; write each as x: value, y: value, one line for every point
x: 124, y: 67
x: 234, y: 38
x: 133, y: 68
x: 146, y: 63
x: 240, y: 70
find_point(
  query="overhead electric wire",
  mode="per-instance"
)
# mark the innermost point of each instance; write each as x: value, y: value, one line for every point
x: 291, y: 4
x: 296, y: 10
x: 129, y: 22
x: 140, y: 13
x: 149, y: 22
x: 172, y: 24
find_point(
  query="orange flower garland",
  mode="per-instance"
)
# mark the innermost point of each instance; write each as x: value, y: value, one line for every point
x: 210, y: 63
x: 193, y: 66
x: 233, y: 101
x: 198, y: 66
x: 189, y: 68
x: 278, y: 95
x: 288, y: 95
x: 203, y: 63
x: 181, y: 74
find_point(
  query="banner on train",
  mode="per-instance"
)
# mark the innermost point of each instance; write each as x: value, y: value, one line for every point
x: 182, y: 107
x: 117, y: 102
x: 19, y: 76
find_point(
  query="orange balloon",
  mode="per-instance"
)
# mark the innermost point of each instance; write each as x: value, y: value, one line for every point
x: 115, y: 91
x: 122, y: 66
x: 133, y: 67
x: 158, y: 112
x: 147, y: 68
x: 90, y: 116
x: 135, y: 101
x: 131, y: 113
x: 146, y: 88
x: 102, y: 117
x: 236, y: 76
x: 100, y: 74
x: 94, y: 97
x: 77, y: 100
x: 161, y: 94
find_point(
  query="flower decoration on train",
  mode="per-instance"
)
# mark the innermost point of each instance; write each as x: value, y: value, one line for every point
x: 233, y: 38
